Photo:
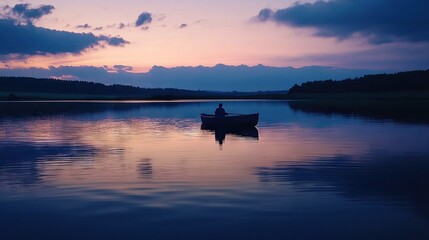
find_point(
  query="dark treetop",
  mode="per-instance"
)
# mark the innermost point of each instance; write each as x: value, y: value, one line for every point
x: 398, y: 82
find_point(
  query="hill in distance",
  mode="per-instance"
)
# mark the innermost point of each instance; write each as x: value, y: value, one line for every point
x: 25, y: 88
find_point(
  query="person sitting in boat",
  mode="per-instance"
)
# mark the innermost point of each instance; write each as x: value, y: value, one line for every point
x: 220, y: 112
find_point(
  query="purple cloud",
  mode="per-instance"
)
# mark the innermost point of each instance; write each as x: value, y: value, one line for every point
x: 84, y: 26
x: 122, y: 25
x: 32, y: 40
x: 23, y: 13
x: 379, y: 21
x: 113, y: 41
x: 122, y: 68
x: 144, y: 18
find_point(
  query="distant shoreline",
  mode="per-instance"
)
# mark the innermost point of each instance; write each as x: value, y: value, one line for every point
x: 23, y: 96
x: 412, y: 85
x: 24, y: 88
x: 403, y: 95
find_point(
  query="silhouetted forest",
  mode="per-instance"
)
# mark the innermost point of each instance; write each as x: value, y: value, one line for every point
x: 412, y: 81
x: 24, y: 88
x: 17, y: 85
x: 402, y: 85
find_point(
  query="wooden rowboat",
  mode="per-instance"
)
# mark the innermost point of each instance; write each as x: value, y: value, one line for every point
x: 230, y: 121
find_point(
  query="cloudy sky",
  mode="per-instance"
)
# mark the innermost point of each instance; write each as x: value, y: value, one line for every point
x: 132, y: 36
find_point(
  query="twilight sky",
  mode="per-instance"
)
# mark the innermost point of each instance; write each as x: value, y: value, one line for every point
x: 132, y: 36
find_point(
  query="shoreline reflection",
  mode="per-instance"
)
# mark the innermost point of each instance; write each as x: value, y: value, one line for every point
x: 398, y: 179
x: 401, y: 111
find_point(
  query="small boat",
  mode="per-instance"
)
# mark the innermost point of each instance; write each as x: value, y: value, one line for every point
x: 230, y: 121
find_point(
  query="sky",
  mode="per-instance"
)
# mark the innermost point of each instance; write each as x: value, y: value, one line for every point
x: 122, y: 41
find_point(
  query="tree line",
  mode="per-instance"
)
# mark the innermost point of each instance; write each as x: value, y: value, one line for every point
x: 397, y: 82
x: 47, y: 85
x: 411, y: 81
x: 16, y: 86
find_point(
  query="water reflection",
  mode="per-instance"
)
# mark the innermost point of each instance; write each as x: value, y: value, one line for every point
x: 396, y: 110
x: 20, y: 162
x: 147, y: 170
x: 375, y: 175
x: 220, y: 133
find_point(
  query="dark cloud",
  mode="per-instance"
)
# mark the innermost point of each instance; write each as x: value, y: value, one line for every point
x: 108, y: 75
x: 98, y: 28
x: 32, y: 40
x: 113, y: 41
x: 122, y: 68
x: 144, y: 18
x: 379, y: 21
x: 88, y: 73
x: 23, y: 13
x: 264, y: 15
x: 84, y: 26
x: 122, y: 25
x: 183, y: 25
x: 118, y: 25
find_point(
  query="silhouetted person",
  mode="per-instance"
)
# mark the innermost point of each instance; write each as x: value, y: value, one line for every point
x: 220, y: 112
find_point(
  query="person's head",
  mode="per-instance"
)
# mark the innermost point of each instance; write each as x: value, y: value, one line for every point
x: 220, y: 104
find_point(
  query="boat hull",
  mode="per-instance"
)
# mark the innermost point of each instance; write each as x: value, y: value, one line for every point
x: 230, y: 121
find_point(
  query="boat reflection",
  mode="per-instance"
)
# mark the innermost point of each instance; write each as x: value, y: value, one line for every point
x: 220, y: 133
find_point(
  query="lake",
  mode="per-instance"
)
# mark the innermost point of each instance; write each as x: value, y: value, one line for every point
x: 146, y: 170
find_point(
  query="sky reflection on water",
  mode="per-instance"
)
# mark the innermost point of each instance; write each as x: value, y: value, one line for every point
x: 134, y: 170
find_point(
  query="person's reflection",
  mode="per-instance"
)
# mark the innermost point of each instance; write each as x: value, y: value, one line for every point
x: 220, y: 133
x: 220, y: 136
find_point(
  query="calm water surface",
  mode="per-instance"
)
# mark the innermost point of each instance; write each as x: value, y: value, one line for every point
x: 146, y: 170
